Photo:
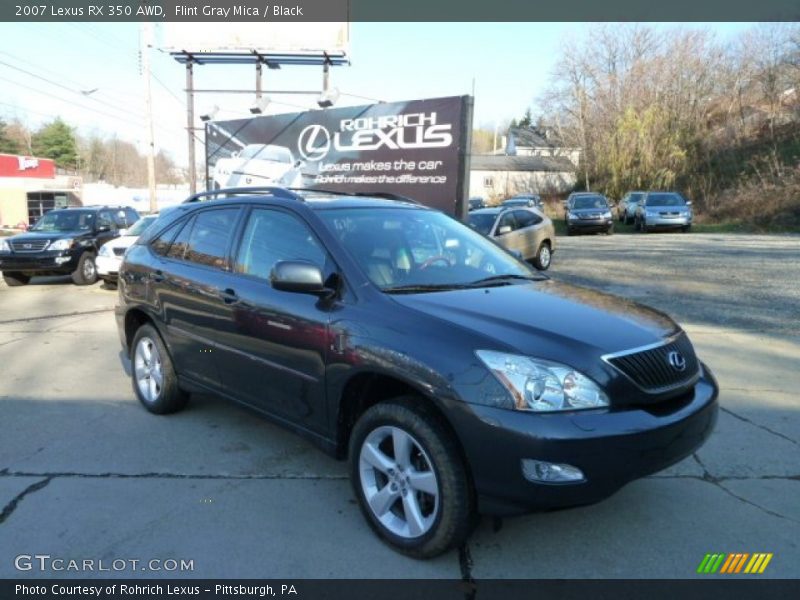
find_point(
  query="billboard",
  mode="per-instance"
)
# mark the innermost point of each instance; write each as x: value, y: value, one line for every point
x: 12, y: 165
x: 417, y: 149
x: 262, y: 38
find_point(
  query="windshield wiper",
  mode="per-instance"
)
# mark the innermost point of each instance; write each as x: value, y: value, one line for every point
x: 424, y: 287
x: 503, y: 279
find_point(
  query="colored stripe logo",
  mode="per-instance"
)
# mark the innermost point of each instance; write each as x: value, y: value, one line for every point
x: 733, y: 563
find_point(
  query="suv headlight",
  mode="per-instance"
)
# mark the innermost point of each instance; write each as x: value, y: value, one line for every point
x: 61, y: 245
x: 541, y: 385
x: 572, y: 215
x: 607, y: 214
x: 650, y: 213
x: 4, y: 247
x: 104, y: 250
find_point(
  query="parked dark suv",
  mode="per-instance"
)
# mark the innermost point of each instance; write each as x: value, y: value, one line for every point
x: 63, y: 242
x: 453, y: 377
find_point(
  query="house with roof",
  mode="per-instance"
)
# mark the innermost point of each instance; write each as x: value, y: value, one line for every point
x: 533, y: 160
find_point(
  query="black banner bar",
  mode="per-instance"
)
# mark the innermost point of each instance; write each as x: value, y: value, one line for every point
x: 391, y: 10
x: 731, y: 588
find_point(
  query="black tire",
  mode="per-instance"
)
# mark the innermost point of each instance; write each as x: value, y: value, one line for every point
x: 686, y: 228
x: 454, y: 516
x: 170, y: 398
x: 628, y: 220
x: 544, y: 257
x: 570, y: 231
x: 610, y: 230
x: 14, y: 279
x: 86, y: 271
x: 643, y: 226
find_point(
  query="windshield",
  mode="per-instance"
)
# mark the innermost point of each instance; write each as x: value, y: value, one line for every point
x: 517, y: 202
x: 65, y: 220
x: 267, y: 152
x: 419, y: 250
x: 635, y: 198
x: 139, y: 227
x: 665, y: 200
x: 589, y: 202
x: 482, y: 223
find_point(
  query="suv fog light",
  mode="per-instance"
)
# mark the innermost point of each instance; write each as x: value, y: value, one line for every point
x: 539, y: 470
x: 60, y: 260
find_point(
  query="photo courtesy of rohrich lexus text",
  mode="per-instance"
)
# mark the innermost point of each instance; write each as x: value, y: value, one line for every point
x: 346, y: 299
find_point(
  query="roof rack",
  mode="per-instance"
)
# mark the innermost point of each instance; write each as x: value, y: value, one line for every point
x: 288, y: 193
x: 386, y: 195
x: 273, y: 190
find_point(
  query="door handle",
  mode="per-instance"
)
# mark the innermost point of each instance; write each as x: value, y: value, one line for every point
x: 157, y: 276
x: 229, y: 296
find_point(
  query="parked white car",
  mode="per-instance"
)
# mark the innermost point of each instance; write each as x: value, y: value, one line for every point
x: 109, y: 258
x: 258, y: 164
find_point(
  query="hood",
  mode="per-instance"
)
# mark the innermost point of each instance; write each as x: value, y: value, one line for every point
x: 548, y: 319
x: 262, y: 168
x: 48, y: 235
x: 124, y: 241
x: 583, y: 211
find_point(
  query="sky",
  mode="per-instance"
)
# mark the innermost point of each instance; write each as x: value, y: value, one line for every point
x: 46, y: 67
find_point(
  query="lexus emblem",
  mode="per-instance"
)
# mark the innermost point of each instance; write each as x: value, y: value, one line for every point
x: 676, y: 360
x: 314, y: 142
x: 26, y: 246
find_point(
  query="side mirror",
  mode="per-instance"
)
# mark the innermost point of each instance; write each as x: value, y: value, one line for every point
x: 103, y: 228
x: 298, y: 276
x: 504, y: 230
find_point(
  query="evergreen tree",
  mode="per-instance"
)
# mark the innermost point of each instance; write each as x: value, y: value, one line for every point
x: 56, y: 140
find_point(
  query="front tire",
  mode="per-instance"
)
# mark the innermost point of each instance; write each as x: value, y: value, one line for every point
x: 543, y: 257
x: 610, y: 230
x: 14, y: 279
x: 410, y: 480
x: 86, y: 272
x: 154, y: 380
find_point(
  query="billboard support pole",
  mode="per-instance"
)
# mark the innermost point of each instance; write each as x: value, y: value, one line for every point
x: 259, y: 73
x: 462, y: 202
x: 190, y: 125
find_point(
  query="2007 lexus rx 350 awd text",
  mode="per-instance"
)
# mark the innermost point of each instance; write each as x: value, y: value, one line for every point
x: 454, y: 378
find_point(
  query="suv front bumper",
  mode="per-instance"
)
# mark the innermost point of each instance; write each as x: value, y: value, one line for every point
x: 65, y: 261
x: 611, y: 447
x: 678, y: 221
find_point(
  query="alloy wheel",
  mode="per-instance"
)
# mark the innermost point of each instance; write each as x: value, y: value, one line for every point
x: 399, y: 482
x: 147, y: 368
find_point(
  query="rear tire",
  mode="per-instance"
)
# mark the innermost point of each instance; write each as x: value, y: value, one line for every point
x: 543, y: 257
x: 14, y: 279
x: 418, y: 499
x: 86, y: 272
x: 155, y: 382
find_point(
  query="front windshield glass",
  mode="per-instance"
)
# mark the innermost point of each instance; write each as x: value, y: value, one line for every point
x: 590, y: 202
x: 141, y: 225
x: 635, y: 198
x: 420, y: 250
x: 267, y: 152
x: 65, y: 220
x: 482, y: 222
x: 665, y: 200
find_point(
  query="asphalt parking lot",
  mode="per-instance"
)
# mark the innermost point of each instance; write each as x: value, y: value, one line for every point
x: 86, y: 473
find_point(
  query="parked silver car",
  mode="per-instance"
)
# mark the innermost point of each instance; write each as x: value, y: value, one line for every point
x: 663, y: 210
x: 524, y: 230
x: 626, y: 209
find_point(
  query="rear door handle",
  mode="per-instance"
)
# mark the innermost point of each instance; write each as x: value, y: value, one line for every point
x: 229, y: 296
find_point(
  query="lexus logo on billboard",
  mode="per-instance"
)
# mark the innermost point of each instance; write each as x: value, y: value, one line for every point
x: 314, y: 142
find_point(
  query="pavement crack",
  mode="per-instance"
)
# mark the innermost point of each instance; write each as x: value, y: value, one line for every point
x: 9, y: 508
x: 57, y: 316
x: 718, y: 482
x: 194, y: 476
x: 763, y: 427
x: 467, y: 581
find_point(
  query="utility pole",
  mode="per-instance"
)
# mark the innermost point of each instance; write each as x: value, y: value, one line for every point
x: 190, y: 125
x: 146, y: 41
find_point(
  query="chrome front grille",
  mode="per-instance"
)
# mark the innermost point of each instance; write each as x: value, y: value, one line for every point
x: 28, y: 245
x: 656, y: 369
